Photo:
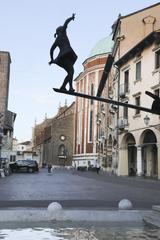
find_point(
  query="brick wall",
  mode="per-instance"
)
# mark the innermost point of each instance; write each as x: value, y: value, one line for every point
x: 4, y: 80
x: 62, y: 126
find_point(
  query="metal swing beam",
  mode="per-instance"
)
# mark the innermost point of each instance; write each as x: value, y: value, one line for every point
x: 106, y: 100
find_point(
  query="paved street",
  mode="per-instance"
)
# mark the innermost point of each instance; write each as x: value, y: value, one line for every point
x: 75, y: 189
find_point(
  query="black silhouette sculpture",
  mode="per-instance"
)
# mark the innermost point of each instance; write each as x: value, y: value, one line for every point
x: 156, y: 103
x: 66, y: 57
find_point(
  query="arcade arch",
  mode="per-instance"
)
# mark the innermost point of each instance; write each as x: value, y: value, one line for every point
x: 148, y: 143
x: 128, y: 147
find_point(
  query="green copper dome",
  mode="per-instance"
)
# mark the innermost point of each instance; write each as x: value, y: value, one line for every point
x: 103, y: 46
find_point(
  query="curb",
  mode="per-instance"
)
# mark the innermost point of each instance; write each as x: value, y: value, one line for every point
x: 34, y: 215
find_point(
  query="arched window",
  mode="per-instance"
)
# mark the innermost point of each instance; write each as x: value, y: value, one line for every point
x: 110, y: 140
x: 91, y: 126
x: 92, y: 92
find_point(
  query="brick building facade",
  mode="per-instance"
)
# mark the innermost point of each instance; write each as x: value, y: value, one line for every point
x: 7, y: 117
x: 53, y: 138
x: 90, y: 132
x: 5, y: 61
x: 62, y: 137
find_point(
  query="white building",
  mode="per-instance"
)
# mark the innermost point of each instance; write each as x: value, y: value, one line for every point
x: 137, y: 69
x: 24, y: 151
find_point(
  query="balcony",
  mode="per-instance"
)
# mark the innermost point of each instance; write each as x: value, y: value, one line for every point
x: 122, y: 123
x: 123, y: 90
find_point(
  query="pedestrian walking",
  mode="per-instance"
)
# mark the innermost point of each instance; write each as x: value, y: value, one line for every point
x: 97, y: 166
x: 49, y: 168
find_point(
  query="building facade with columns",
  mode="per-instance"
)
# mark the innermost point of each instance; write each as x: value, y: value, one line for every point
x: 136, y: 70
x: 90, y: 116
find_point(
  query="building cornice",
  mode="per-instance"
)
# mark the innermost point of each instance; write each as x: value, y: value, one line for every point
x: 8, y: 53
x: 147, y: 41
x: 89, y: 71
x: 141, y: 10
x: 128, y: 15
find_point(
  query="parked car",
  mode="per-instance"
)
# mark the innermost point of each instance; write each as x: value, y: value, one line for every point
x: 24, y: 165
x: 82, y: 168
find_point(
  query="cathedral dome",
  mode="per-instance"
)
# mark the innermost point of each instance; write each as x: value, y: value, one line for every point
x: 104, y: 46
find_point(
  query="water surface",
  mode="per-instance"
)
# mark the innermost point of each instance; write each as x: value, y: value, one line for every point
x: 76, y: 231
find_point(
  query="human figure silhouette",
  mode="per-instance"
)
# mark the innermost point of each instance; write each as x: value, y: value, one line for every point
x: 156, y: 103
x: 66, y: 57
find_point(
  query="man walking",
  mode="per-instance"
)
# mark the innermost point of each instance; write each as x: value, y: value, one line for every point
x: 97, y: 166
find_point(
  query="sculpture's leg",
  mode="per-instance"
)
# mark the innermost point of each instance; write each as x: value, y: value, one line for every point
x: 68, y: 79
x: 71, y: 79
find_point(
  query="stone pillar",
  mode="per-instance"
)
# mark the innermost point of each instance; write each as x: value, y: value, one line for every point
x: 123, y: 162
x: 139, y: 161
x: 149, y: 159
x: 158, y: 158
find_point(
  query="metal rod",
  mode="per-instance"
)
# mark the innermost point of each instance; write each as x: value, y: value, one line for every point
x: 100, y: 99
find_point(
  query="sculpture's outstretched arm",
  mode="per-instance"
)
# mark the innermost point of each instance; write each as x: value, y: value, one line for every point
x: 51, y: 52
x: 68, y: 20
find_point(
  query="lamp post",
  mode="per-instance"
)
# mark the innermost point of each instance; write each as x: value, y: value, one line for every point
x: 147, y: 120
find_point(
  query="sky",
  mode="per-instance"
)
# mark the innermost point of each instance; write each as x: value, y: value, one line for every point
x: 27, y: 30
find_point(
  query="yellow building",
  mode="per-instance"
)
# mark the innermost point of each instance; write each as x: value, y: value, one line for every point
x: 136, y: 70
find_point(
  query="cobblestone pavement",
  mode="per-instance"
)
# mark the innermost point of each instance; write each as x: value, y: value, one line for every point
x: 75, y: 189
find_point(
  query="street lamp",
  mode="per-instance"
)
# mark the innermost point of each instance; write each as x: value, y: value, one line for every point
x: 146, y: 120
